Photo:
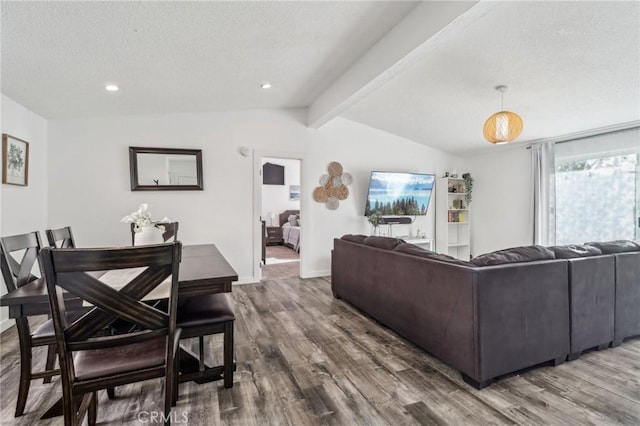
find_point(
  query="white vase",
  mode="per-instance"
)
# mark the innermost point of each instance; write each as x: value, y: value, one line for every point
x: 148, y: 235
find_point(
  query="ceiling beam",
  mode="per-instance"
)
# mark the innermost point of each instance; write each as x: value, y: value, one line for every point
x: 406, y: 43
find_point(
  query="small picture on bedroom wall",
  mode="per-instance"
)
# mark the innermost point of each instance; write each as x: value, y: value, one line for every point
x: 294, y: 192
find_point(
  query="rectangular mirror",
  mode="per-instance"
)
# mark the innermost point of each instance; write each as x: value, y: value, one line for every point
x: 165, y: 169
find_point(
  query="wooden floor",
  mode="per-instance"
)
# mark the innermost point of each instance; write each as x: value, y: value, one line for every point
x: 281, y: 270
x: 304, y: 359
x: 281, y: 252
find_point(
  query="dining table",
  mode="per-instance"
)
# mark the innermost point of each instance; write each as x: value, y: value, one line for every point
x: 203, y: 270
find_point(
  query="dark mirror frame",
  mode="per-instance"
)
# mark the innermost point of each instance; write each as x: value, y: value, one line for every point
x: 133, y: 168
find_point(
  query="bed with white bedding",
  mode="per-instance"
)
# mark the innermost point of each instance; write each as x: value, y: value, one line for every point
x: 290, y: 223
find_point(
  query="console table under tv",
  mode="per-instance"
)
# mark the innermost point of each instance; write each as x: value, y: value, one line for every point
x: 425, y: 243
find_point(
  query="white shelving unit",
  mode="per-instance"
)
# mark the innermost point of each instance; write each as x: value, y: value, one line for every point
x: 453, y: 226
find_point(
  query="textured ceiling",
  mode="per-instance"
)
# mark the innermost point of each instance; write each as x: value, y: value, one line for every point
x: 570, y: 66
x: 181, y: 56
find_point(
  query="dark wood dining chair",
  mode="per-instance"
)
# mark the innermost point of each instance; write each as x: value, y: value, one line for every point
x: 204, y: 316
x: 170, y: 232
x: 90, y: 361
x: 61, y: 237
x: 17, y: 273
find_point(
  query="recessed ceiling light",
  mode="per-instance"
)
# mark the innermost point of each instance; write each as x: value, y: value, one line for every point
x: 111, y: 87
x: 265, y: 86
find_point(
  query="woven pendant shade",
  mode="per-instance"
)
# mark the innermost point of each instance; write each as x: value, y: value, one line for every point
x: 502, y: 127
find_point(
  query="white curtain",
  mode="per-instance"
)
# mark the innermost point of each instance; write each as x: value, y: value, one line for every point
x: 544, y: 198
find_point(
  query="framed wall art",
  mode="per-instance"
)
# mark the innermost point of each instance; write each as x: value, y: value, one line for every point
x: 15, y: 161
x: 294, y: 192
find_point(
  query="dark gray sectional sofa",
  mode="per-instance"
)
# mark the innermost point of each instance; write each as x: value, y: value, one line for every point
x: 506, y: 311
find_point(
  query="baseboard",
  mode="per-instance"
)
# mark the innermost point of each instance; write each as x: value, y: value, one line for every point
x: 315, y: 274
x: 246, y: 280
x: 6, y: 324
x: 308, y: 274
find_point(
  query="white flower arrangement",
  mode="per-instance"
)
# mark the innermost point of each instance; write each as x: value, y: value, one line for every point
x: 141, y: 218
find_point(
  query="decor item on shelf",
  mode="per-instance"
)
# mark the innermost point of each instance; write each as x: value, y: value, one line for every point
x: 148, y: 231
x: 15, y: 163
x: 504, y: 126
x: 468, y: 184
x: 333, y: 186
x: 376, y: 219
x: 458, y: 205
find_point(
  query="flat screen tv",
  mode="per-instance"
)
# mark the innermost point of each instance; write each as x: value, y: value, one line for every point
x: 399, y: 194
x: 272, y: 174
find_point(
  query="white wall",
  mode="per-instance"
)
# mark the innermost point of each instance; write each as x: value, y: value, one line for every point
x: 360, y: 149
x: 89, y: 177
x: 502, y: 204
x: 24, y: 209
x: 275, y: 198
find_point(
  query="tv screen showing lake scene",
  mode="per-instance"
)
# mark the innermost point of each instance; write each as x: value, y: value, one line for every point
x: 399, y: 194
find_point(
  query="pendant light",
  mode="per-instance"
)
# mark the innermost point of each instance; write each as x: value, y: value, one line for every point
x: 504, y: 126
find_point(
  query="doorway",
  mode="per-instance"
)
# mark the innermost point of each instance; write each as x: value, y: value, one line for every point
x: 280, y: 217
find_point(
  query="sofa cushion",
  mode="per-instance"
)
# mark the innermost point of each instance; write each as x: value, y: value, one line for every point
x: 573, y: 251
x: 354, y: 238
x: 386, y: 243
x: 419, y: 251
x: 617, y: 246
x: 514, y: 255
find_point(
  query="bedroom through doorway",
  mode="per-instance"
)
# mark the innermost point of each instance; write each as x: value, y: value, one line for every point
x: 280, y: 213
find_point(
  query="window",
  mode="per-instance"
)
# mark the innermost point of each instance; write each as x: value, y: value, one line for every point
x: 596, y: 188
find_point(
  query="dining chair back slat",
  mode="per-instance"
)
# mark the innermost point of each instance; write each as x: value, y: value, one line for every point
x: 18, y: 273
x: 97, y: 319
x: 61, y: 237
x: 112, y: 302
